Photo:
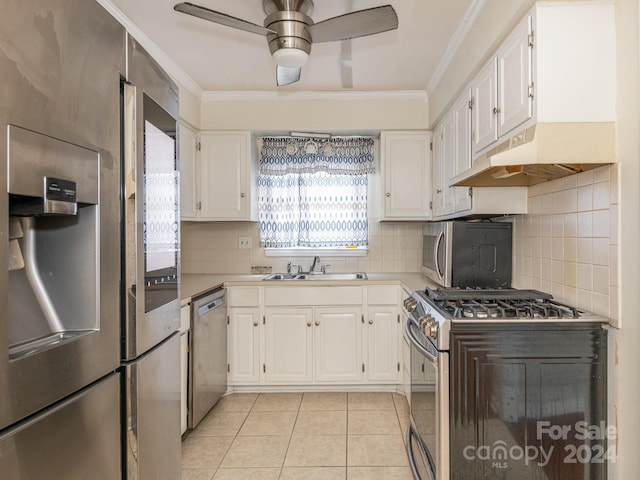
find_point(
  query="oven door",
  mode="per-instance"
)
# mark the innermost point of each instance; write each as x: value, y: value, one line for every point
x: 428, y: 436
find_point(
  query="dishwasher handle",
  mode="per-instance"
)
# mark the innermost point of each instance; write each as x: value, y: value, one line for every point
x: 213, y: 304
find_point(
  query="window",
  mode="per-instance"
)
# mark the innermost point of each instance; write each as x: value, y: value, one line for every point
x: 313, y: 192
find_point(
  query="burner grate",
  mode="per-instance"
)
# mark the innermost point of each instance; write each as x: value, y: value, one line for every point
x: 508, y: 309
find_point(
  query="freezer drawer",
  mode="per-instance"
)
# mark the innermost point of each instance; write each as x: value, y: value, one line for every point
x: 74, y: 440
x: 152, y: 417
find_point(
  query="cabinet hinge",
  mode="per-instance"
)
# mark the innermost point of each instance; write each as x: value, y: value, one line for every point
x: 471, y: 191
x: 471, y: 101
x: 398, y: 318
x: 363, y: 368
x: 199, y: 205
x: 531, y: 89
x: 199, y: 146
x: 431, y: 146
x: 264, y: 368
x: 473, y: 136
x: 398, y: 366
x: 530, y: 39
x: 431, y: 205
x: 228, y: 323
x: 228, y: 368
x: 264, y: 320
x: 362, y: 317
x: 423, y: 368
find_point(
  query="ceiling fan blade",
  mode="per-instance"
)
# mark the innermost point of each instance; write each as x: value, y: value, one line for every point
x: 355, y: 24
x: 286, y: 75
x: 221, y: 18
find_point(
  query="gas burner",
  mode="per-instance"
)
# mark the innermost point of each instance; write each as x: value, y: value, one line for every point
x: 485, y: 304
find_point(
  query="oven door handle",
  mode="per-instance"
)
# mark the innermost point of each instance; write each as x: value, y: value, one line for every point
x: 417, y: 344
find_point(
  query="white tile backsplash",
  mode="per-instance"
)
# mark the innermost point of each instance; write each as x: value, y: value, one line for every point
x: 567, y: 244
x: 212, y: 247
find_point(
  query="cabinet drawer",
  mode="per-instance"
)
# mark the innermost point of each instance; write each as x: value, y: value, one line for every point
x: 382, y: 294
x: 313, y: 295
x: 243, y: 296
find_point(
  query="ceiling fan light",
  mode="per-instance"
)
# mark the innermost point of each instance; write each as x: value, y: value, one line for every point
x: 290, y: 57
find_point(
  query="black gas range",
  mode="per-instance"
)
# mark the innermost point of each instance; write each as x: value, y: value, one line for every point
x: 496, y: 370
x: 437, y: 311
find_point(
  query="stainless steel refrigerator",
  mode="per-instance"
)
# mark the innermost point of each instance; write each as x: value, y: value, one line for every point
x: 60, y: 67
x: 150, y: 276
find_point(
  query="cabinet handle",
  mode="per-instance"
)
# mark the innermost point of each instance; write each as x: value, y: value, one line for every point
x: 255, y: 324
x: 496, y: 110
x: 438, y: 191
x: 308, y: 324
x: 370, y: 322
x: 388, y: 194
x: 317, y: 323
x: 242, y: 195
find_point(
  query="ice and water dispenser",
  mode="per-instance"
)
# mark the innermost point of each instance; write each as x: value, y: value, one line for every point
x: 53, y: 242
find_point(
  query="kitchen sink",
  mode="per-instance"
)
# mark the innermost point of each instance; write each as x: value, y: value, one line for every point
x: 280, y: 276
x: 317, y: 276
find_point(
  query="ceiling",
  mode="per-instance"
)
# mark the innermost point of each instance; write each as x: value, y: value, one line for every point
x: 220, y: 58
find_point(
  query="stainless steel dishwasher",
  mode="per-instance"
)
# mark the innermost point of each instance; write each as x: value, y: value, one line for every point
x: 207, y: 354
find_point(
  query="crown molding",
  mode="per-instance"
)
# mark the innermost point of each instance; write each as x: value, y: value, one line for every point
x: 172, y: 68
x: 458, y: 37
x: 272, y: 96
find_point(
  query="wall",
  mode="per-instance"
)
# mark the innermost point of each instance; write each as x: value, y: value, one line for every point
x: 315, y: 111
x: 568, y: 243
x: 213, y: 248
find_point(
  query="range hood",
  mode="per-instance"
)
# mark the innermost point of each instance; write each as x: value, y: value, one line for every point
x: 542, y: 152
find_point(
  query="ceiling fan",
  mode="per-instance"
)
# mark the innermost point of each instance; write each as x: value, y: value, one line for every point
x: 290, y: 31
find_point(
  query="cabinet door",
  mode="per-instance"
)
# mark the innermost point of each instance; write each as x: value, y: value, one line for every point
x: 382, y: 344
x: 461, y: 118
x: 225, y: 176
x: 188, y: 172
x: 443, y: 166
x: 288, y: 345
x: 338, y: 344
x: 485, y: 107
x: 514, y: 79
x: 406, y: 163
x: 244, y: 345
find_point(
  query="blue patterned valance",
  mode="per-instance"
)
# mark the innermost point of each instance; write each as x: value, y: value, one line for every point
x: 337, y: 156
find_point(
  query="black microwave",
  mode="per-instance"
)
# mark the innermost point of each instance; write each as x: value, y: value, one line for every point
x: 468, y: 254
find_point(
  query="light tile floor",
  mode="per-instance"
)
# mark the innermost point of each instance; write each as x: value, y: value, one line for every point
x: 300, y: 436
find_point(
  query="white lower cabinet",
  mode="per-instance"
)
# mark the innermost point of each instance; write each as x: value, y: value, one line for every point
x: 244, y: 345
x: 288, y: 345
x: 382, y: 344
x: 292, y: 335
x: 337, y: 341
x: 321, y: 344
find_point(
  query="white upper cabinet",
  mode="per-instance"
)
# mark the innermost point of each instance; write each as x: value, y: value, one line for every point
x: 406, y: 169
x: 515, y: 82
x: 461, y: 117
x: 502, y: 92
x: 484, y: 90
x: 187, y: 143
x: 219, y: 182
x: 452, y: 145
x: 443, y: 166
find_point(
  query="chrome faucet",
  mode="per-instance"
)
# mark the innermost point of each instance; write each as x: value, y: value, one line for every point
x: 316, y: 260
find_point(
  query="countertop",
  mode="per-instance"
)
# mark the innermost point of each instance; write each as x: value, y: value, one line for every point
x: 194, y: 285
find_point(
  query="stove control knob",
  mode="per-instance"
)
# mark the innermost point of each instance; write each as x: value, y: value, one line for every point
x: 429, y: 326
x: 410, y: 304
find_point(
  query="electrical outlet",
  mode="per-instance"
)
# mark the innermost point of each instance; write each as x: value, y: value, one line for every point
x: 244, y: 242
